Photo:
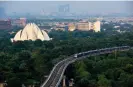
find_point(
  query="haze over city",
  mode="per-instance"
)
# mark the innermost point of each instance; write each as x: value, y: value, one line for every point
x: 66, y: 44
x: 88, y: 7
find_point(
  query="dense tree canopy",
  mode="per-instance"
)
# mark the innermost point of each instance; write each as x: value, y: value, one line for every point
x: 28, y: 62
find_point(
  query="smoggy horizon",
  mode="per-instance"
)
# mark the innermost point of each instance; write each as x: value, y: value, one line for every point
x: 78, y: 7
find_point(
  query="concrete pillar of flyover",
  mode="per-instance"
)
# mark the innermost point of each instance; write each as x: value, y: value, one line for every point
x: 1, y: 84
x: 64, y: 81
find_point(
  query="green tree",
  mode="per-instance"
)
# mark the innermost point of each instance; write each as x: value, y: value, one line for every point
x: 103, y: 81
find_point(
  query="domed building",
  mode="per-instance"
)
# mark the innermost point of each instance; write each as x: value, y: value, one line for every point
x: 31, y: 32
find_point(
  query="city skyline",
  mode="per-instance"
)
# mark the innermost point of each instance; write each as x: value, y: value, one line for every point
x: 78, y: 7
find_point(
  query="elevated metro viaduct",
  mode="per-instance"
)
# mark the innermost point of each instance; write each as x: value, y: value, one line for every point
x: 58, y: 70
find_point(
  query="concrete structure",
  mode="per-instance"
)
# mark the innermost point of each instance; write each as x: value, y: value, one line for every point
x: 83, y: 26
x: 60, y: 28
x: 64, y: 8
x: 96, y: 26
x: 71, y: 27
x: 31, y: 32
x: 56, y: 74
x: 19, y: 22
x: 91, y: 26
x: 86, y: 26
x: 64, y: 81
x: 5, y: 24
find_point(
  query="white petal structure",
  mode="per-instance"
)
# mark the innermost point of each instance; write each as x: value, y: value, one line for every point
x: 31, y: 32
x: 17, y: 36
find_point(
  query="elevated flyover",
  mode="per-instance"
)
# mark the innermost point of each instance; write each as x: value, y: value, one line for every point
x: 58, y: 70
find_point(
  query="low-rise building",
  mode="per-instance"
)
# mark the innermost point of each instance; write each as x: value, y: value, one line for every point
x: 71, y: 27
x: 116, y: 26
x: 60, y: 28
x: 5, y: 24
x: 83, y: 26
x: 86, y: 26
x: 19, y: 22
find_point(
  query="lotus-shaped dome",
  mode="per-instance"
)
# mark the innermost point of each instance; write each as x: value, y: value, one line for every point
x: 31, y: 32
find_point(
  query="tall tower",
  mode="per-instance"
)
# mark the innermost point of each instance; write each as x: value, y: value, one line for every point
x: 64, y: 8
x: 42, y: 12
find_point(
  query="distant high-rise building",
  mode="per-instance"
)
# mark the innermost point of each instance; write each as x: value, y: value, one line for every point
x: 42, y: 12
x: 64, y: 8
x: 2, y: 13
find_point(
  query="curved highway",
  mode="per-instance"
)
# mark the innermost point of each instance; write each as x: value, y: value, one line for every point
x: 58, y: 70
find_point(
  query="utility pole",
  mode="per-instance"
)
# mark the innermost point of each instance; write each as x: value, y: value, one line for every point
x: 115, y: 54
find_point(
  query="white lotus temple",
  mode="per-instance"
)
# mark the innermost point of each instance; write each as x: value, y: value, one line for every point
x: 31, y: 32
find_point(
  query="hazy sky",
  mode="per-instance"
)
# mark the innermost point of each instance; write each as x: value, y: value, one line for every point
x: 92, y: 7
